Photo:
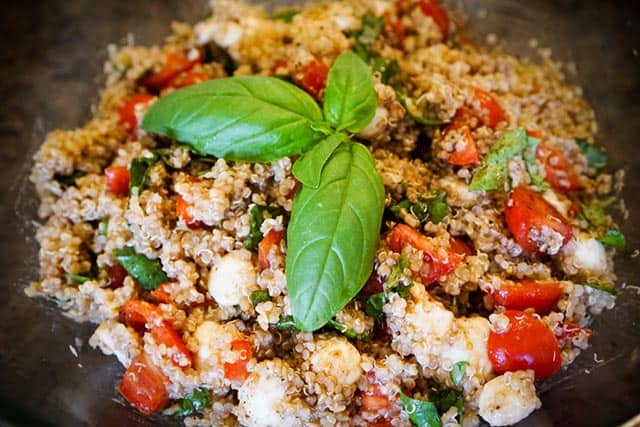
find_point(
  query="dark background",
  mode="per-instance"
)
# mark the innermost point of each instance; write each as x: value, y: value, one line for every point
x: 51, y: 56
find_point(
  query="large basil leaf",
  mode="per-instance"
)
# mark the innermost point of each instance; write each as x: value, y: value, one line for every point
x: 253, y: 118
x: 308, y: 168
x: 421, y: 413
x: 332, y: 236
x: 147, y: 272
x: 350, y: 98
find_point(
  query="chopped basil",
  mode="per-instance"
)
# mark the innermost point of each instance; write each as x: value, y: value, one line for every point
x: 104, y: 226
x: 77, y: 278
x: 387, y: 68
x: 396, y: 282
x: 285, y: 323
x: 285, y: 15
x: 259, y: 296
x: 597, y: 158
x: 595, y: 213
x: 411, y: 108
x: 147, y: 272
x: 421, y: 413
x: 533, y: 167
x: 615, y: 239
x: 365, y: 36
x: 67, y: 181
x: 432, y: 207
x: 194, y: 403
x: 213, y: 52
x: 373, y: 305
x: 347, y: 332
x: 457, y: 372
x: 138, y: 172
x: 445, y: 399
x: 608, y: 288
x: 258, y: 214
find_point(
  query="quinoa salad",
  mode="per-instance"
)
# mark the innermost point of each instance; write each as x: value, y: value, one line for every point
x: 341, y: 214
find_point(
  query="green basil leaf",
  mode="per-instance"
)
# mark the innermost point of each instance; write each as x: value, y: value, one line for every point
x: 421, y: 413
x: 533, y: 167
x: 67, y: 181
x: 332, y: 236
x: 350, y: 99
x: 147, y: 272
x: 437, y: 206
x: 104, y: 226
x: 493, y: 173
x: 77, y: 278
x: 595, y: 213
x: 347, y: 332
x: 410, y: 107
x: 285, y: 15
x: 138, y: 172
x: 615, y: 239
x: 308, y: 168
x: 457, y: 372
x: 388, y: 68
x: 249, y: 118
x: 258, y: 297
x: 597, y: 158
x: 366, y: 35
x: 197, y: 401
x: 285, y: 323
x: 445, y: 399
x: 373, y: 305
x: 257, y: 215
x: 609, y: 288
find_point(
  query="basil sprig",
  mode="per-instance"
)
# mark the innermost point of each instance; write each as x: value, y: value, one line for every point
x: 336, y: 215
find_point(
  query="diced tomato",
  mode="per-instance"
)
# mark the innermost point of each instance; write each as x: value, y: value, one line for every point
x: 535, y: 133
x: 270, y: 242
x: 541, y: 296
x: 373, y: 286
x: 313, y: 78
x: 437, y: 261
x: 117, y: 274
x: 469, y: 154
x: 559, y: 172
x: 490, y: 112
x: 144, y: 385
x: 160, y: 294
x: 571, y: 330
x: 182, y: 211
x: 527, y: 212
x: 294, y: 190
x: 117, y: 178
x: 433, y: 9
x: 188, y: 78
x: 380, y: 422
x: 127, y: 112
x: 394, y: 27
x: 279, y: 65
x: 459, y: 246
x: 527, y: 343
x: 175, y: 63
x: 140, y: 315
x: 373, y: 400
x: 238, y: 369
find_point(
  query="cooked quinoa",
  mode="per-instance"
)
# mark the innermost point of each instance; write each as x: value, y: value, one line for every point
x: 454, y: 258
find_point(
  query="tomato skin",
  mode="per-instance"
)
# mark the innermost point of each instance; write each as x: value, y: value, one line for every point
x: 527, y: 210
x: 175, y: 63
x: 127, y: 112
x: 527, y: 343
x: 160, y: 294
x: 469, y: 155
x: 271, y: 241
x: 433, y: 9
x: 394, y: 27
x: 490, y: 112
x: 313, y: 78
x: 117, y: 274
x: 238, y: 369
x: 437, y: 261
x: 117, y: 179
x: 182, y: 211
x: 141, y: 314
x: 373, y: 400
x: 541, y: 296
x: 559, y: 172
x: 144, y: 385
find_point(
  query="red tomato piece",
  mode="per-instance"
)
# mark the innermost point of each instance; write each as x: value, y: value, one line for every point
x: 535, y: 133
x: 527, y: 343
x: 137, y: 314
x: 374, y: 285
x: 394, y: 27
x: 160, y: 294
x: 117, y: 178
x: 165, y: 334
x: 433, y: 9
x: 528, y: 212
x: 127, y: 112
x: 469, y: 154
x: 270, y: 242
x: 117, y: 274
x: 174, y: 64
x: 490, y: 112
x: 144, y: 385
x: 570, y: 330
x: 373, y: 400
x: 280, y: 65
x: 238, y: 369
x: 437, y: 261
x: 313, y: 78
x: 188, y: 78
x: 541, y: 296
x: 559, y: 172
x: 182, y: 211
